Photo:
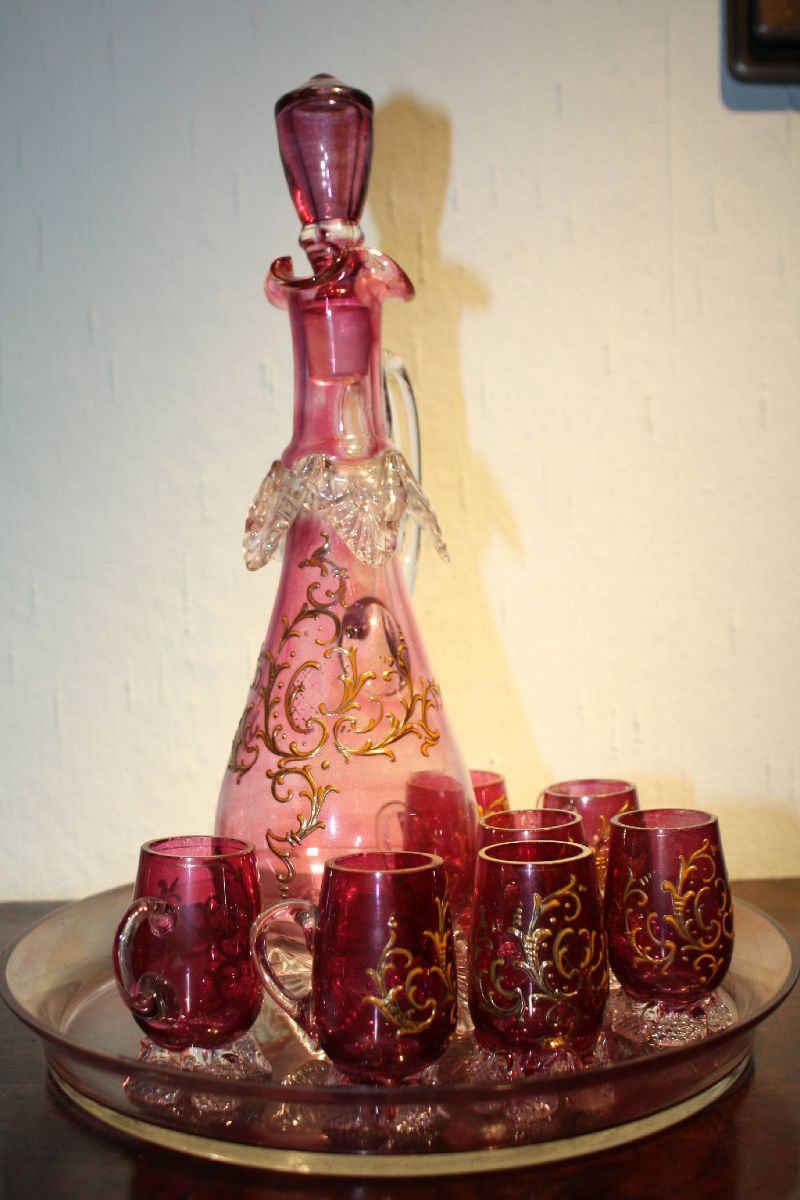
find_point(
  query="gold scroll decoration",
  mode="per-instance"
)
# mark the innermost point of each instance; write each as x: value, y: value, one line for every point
x: 555, y: 951
x: 357, y: 725
x: 406, y: 1003
x: 686, y: 935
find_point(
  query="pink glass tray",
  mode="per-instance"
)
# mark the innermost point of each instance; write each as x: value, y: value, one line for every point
x: 57, y: 978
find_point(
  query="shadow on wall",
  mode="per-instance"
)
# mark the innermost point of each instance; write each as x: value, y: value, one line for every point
x: 408, y: 190
x: 750, y: 97
x: 752, y: 830
x: 764, y: 835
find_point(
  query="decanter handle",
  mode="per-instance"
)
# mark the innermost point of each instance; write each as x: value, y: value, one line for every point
x: 402, y: 422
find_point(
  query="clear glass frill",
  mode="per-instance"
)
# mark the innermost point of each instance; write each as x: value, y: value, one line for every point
x: 344, y: 742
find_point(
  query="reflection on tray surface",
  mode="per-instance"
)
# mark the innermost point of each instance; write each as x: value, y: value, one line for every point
x: 629, y: 1032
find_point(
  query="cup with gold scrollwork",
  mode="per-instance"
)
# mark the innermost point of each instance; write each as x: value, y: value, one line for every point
x: 596, y: 801
x: 538, y: 965
x: 668, y: 913
x: 382, y: 995
x: 491, y: 794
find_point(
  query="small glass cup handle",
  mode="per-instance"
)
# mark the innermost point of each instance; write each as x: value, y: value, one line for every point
x: 383, y: 822
x: 306, y: 915
x: 151, y: 996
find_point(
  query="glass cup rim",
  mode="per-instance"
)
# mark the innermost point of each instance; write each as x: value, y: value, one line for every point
x: 638, y: 821
x: 577, y: 852
x: 178, y: 847
x: 571, y: 817
x: 614, y: 787
x: 433, y: 783
x: 425, y: 862
x: 484, y: 777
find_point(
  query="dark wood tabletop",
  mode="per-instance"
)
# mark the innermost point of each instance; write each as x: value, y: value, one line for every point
x: 745, y: 1145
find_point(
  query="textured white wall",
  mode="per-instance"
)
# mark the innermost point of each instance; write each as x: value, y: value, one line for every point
x: 606, y: 347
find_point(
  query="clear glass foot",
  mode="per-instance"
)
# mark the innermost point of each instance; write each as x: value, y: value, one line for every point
x: 656, y: 1025
x: 386, y: 1127
x: 242, y: 1060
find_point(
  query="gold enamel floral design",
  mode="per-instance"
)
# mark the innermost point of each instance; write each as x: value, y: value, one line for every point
x: 406, y: 1003
x: 359, y: 724
x: 497, y: 805
x: 686, y: 936
x: 445, y: 966
x: 558, y: 956
x: 600, y: 848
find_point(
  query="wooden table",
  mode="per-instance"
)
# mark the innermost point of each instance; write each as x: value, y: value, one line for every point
x: 745, y: 1146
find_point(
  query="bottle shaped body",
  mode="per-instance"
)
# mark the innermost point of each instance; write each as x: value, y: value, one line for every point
x: 343, y: 744
x: 343, y: 720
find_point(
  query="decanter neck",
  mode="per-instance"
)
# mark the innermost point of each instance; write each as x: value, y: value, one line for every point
x: 325, y: 141
x: 338, y: 404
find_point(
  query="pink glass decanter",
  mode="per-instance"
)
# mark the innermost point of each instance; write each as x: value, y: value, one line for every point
x: 344, y: 722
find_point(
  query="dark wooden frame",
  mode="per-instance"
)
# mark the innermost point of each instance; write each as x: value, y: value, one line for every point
x: 764, y: 40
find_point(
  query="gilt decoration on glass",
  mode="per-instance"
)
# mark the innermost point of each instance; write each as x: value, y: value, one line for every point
x: 344, y: 707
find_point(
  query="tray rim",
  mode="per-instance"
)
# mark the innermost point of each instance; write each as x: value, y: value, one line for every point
x: 434, y: 1164
x: 389, y: 1094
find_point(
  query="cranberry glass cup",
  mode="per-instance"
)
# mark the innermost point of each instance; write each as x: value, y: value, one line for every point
x: 531, y: 825
x: 597, y: 801
x: 382, y: 1002
x: 436, y: 820
x: 538, y: 964
x: 668, y: 907
x: 490, y: 792
x: 182, y: 952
